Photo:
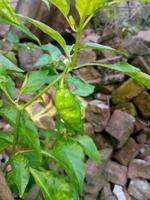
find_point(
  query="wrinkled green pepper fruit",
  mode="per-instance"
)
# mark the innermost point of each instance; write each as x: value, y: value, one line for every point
x: 68, y: 109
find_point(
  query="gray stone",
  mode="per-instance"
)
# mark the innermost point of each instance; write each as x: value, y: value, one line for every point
x: 139, y: 169
x: 142, y: 62
x: 126, y: 92
x: 141, y: 101
x: 97, y: 113
x: 121, y: 126
x: 127, y: 152
x: 119, y: 192
x: 139, y: 189
x: 90, y: 75
x: 138, y: 44
x: 95, y: 179
x: 116, y: 173
x: 27, y: 57
x: 106, y: 193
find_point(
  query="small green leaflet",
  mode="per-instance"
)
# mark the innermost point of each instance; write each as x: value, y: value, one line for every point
x: 8, y: 86
x: 49, y: 31
x: 29, y: 135
x: 8, y: 64
x: 53, y: 186
x: 35, y: 80
x: 89, y: 147
x: 12, y: 38
x: 20, y: 173
x: 43, y: 60
x: 88, y: 7
x: 70, y: 156
x: 54, y: 51
x: 82, y: 88
x: 62, y: 5
x: 6, y: 139
x: 9, y: 113
x: 96, y: 46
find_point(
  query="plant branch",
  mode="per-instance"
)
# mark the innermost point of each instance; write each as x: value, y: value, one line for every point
x: 42, y: 92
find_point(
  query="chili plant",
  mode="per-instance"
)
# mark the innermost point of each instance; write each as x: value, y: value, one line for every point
x: 29, y: 156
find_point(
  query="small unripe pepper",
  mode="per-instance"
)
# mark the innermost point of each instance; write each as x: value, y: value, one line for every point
x: 68, y: 109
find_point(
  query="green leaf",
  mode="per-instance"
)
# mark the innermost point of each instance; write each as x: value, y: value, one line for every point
x: 12, y: 37
x: 10, y: 87
x: 89, y: 147
x: 62, y: 5
x: 54, y: 52
x: 7, y: 85
x: 70, y: 156
x: 82, y: 88
x: 142, y: 78
x: 20, y: 173
x: 88, y: 7
x: 35, y: 80
x: 22, y: 27
x: 32, y: 158
x: 6, y: 139
x: 28, y: 133
x: 9, y: 113
x: 43, y: 61
x: 96, y: 46
x: 49, y: 31
x: 8, y: 64
x: 8, y: 12
x: 130, y: 70
x: 53, y: 186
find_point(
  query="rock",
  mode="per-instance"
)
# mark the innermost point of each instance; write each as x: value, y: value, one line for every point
x: 141, y: 101
x: 138, y: 44
x: 89, y: 35
x: 139, y: 169
x: 90, y: 75
x: 116, y: 173
x: 143, y: 137
x: 102, y: 97
x: 95, y: 179
x: 86, y: 56
x: 121, y: 126
x: 119, y: 192
x: 107, y: 89
x: 142, y: 62
x: 106, y: 193
x: 103, y: 140
x: 145, y: 152
x: 127, y: 107
x: 97, y: 113
x: 127, y: 152
x: 88, y: 129
x: 90, y: 197
x: 139, y: 189
x: 126, y: 92
x: 28, y: 56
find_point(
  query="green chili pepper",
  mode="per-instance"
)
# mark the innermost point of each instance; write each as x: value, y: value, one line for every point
x: 68, y: 109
